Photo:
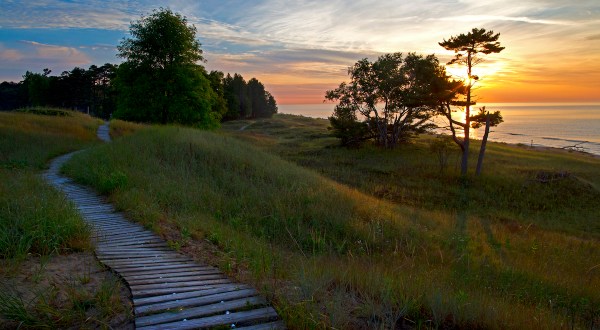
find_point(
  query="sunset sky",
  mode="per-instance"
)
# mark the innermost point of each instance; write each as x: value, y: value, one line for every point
x: 299, y: 49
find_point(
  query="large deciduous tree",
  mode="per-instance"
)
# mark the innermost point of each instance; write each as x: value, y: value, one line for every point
x: 160, y: 80
x: 394, y: 94
x: 466, y: 48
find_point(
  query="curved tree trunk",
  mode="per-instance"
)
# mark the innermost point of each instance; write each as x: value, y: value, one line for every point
x: 483, y: 145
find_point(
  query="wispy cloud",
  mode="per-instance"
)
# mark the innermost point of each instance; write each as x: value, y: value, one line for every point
x: 302, y: 43
x: 492, y: 18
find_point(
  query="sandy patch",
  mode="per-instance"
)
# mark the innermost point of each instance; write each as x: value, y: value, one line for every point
x: 67, y: 283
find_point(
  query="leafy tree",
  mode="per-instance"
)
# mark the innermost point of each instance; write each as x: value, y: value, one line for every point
x: 466, y: 48
x: 236, y: 94
x: 216, y: 83
x: 12, y: 95
x: 347, y: 128
x: 37, y: 86
x: 262, y: 102
x: 160, y: 80
x: 395, y: 95
x: 102, y: 94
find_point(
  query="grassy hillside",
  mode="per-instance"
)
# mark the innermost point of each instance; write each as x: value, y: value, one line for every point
x: 508, y: 192
x: 34, y: 218
x: 330, y: 251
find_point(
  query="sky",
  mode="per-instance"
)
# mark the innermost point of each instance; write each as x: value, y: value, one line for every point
x: 300, y: 49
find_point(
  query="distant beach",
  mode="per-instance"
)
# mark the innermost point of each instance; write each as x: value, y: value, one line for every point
x: 556, y: 125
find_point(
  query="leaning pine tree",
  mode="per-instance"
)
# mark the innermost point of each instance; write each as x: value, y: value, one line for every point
x: 161, y: 80
x: 466, y: 48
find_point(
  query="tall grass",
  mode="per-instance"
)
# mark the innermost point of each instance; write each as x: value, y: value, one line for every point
x: 332, y: 255
x: 508, y: 191
x: 34, y: 218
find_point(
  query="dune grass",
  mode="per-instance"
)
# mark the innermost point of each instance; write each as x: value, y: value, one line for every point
x: 34, y: 218
x: 330, y: 251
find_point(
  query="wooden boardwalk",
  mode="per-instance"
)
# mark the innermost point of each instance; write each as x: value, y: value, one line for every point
x: 169, y: 290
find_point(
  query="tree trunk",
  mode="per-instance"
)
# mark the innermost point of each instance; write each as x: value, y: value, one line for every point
x: 483, y: 144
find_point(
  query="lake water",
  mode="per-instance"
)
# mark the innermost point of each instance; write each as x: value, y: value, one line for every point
x: 539, y: 124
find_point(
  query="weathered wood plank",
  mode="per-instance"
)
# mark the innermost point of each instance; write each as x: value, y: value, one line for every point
x: 198, y: 301
x: 127, y: 271
x: 170, y: 275
x: 148, y: 262
x: 207, y: 291
x: 175, y: 284
x: 143, y: 261
x: 161, y: 292
x: 254, y: 315
x: 169, y: 279
x: 135, y: 269
x: 197, y: 312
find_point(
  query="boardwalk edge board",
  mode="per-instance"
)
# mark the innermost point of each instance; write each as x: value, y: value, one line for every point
x: 169, y: 289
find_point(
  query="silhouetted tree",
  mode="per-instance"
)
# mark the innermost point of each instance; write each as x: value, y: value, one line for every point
x: 37, y: 86
x: 394, y: 94
x: 262, y: 102
x: 487, y: 119
x: 466, y: 48
x: 12, y: 95
x: 160, y: 80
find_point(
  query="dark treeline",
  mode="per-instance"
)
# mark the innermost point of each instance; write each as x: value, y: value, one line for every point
x: 93, y: 91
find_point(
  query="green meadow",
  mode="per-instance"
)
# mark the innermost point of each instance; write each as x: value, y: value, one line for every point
x: 367, y: 238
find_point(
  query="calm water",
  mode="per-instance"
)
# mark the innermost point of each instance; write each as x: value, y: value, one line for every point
x: 538, y: 124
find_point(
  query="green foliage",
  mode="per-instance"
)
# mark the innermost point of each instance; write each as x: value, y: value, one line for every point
x: 483, y: 116
x: 247, y: 100
x: 85, y: 90
x: 160, y: 81
x: 347, y: 128
x: 395, y: 94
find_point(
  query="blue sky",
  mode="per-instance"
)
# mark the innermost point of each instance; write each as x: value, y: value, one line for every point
x: 299, y: 49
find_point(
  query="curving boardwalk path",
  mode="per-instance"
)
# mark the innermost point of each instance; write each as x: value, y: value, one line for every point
x: 169, y: 290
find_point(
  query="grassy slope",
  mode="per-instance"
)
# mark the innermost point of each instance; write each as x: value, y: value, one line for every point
x: 34, y: 218
x: 332, y: 255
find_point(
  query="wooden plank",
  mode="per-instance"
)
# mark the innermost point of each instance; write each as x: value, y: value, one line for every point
x: 277, y: 325
x: 112, y: 216
x: 255, y: 315
x: 171, y: 275
x: 175, y: 284
x: 187, y: 268
x: 135, y: 269
x: 197, y: 312
x: 143, y: 244
x: 114, y: 228
x: 140, y: 293
x: 121, y: 238
x: 117, y: 233
x: 129, y: 250
x: 197, y: 301
x: 117, y: 230
x: 146, y: 262
x: 206, y: 291
x: 175, y: 279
